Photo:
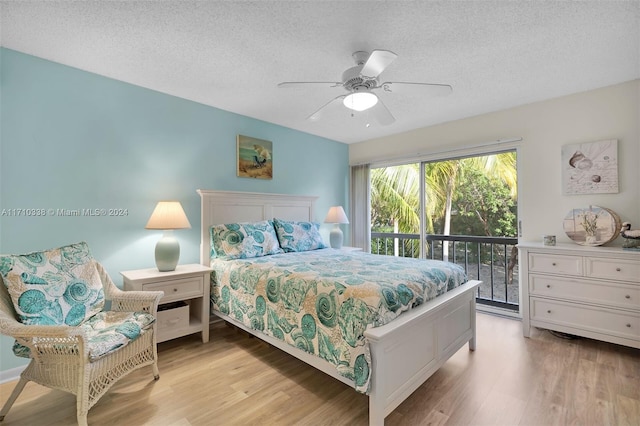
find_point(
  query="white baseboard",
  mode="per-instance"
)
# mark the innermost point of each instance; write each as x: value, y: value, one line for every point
x: 12, y: 374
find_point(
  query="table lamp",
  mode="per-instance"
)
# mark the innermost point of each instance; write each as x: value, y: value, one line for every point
x: 168, y: 215
x: 336, y: 216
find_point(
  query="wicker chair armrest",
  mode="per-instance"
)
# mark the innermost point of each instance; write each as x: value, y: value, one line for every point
x: 46, y: 340
x: 128, y: 301
x: 22, y: 331
x: 136, y: 301
x: 8, y: 321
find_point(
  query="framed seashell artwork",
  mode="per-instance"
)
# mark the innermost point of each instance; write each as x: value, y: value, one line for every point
x: 590, y: 168
x: 592, y: 226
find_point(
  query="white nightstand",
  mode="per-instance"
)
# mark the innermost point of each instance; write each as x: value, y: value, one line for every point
x: 188, y: 284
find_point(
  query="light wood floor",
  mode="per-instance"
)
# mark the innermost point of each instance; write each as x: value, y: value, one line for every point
x: 237, y: 380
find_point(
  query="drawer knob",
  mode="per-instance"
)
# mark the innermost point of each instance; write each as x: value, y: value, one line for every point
x: 175, y: 289
x: 629, y: 325
x: 548, y: 311
x: 627, y: 297
x: 554, y: 264
x: 548, y: 285
x: 618, y: 269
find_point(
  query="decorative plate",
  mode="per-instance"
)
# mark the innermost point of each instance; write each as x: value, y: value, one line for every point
x: 592, y: 226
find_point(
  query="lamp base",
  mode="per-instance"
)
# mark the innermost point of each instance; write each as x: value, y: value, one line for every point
x: 167, y: 252
x: 335, y: 237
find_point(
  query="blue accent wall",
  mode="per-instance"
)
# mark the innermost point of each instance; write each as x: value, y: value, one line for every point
x: 75, y: 140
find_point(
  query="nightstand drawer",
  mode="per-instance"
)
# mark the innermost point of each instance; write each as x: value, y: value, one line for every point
x: 595, y: 292
x: 613, y: 269
x: 598, y: 320
x: 555, y: 264
x: 177, y: 289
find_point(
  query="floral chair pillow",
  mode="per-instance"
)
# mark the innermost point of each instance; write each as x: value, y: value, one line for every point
x: 54, y: 287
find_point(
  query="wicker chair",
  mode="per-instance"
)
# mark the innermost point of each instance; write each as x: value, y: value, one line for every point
x: 60, y: 354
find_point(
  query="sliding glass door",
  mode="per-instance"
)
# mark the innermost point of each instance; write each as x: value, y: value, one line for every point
x: 462, y: 210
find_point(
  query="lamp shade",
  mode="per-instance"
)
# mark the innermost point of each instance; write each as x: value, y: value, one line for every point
x: 168, y: 215
x: 336, y: 215
x: 360, y: 101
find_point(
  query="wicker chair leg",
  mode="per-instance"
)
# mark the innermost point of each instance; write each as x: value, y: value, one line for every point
x: 14, y: 395
x: 156, y: 371
x: 82, y: 419
x: 82, y: 410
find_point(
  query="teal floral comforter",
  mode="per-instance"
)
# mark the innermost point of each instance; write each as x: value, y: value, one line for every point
x: 322, y: 301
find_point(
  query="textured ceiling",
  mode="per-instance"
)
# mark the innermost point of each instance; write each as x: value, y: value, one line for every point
x: 231, y: 55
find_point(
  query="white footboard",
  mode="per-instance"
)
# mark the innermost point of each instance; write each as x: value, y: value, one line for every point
x: 407, y: 351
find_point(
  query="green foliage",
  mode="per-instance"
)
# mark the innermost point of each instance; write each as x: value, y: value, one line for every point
x: 395, y: 199
x: 469, y: 196
x: 484, y: 206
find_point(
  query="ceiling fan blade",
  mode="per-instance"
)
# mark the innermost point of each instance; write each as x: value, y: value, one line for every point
x: 382, y: 114
x: 377, y: 62
x: 318, y: 114
x: 288, y: 84
x: 426, y: 88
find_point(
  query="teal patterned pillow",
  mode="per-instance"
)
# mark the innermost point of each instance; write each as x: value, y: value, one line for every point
x: 54, y: 287
x: 244, y: 240
x: 298, y: 236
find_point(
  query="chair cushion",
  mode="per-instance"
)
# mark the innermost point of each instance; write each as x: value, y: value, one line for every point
x: 106, y: 332
x: 54, y: 287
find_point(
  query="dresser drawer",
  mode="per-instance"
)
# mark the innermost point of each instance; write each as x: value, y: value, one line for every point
x: 555, y: 264
x: 583, y: 290
x: 598, y: 320
x: 177, y: 289
x: 613, y: 269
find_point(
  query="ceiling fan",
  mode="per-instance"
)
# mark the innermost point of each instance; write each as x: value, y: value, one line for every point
x: 362, y: 80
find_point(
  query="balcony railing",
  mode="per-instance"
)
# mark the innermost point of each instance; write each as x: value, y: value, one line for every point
x: 493, y: 260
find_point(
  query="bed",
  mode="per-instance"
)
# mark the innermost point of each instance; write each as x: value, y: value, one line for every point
x: 412, y: 332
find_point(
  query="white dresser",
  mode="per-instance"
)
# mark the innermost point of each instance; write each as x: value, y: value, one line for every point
x: 586, y: 291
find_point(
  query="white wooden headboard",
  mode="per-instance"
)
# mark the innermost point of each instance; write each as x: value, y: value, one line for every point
x: 219, y: 207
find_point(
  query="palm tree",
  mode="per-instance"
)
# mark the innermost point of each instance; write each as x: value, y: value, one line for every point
x: 395, y: 190
x: 442, y: 177
x: 502, y: 166
x: 395, y: 198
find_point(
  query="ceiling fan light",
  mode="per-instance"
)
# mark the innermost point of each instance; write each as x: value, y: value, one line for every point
x: 360, y: 101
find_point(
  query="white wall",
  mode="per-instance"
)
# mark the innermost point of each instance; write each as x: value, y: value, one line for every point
x: 607, y: 113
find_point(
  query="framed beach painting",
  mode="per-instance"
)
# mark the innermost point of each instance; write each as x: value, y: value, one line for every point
x: 255, y: 158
